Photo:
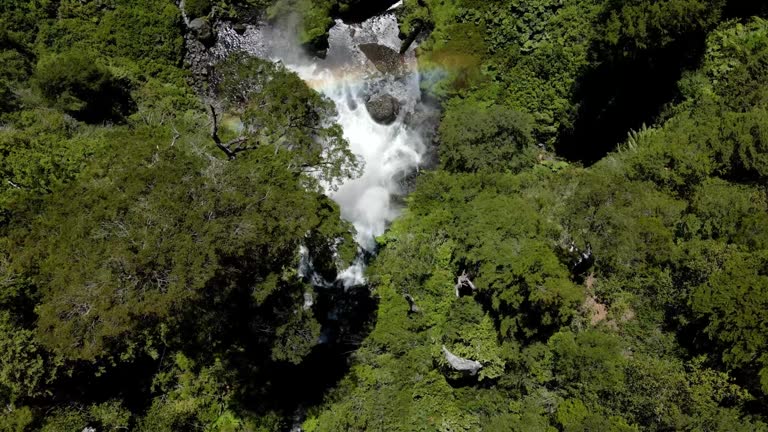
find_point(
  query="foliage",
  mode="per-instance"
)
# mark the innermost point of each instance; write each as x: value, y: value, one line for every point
x: 161, y: 245
x: 591, y: 359
x: 314, y: 19
x: 192, y: 399
x: 106, y: 416
x: 477, y: 138
x: 120, y: 289
x: 23, y: 370
x: 278, y: 109
x: 197, y: 8
x: 148, y: 280
x: 732, y: 301
x: 74, y: 83
x: 638, y: 25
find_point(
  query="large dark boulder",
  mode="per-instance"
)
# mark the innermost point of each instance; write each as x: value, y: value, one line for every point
x: 386, y: 60
x: 383, y: 108
x: 201, y: 28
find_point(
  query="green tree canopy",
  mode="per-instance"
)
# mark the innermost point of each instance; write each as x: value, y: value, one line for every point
x: 278, y: 109
x: 76, y: 84
x: 733, y: 302
x: 475, y: 138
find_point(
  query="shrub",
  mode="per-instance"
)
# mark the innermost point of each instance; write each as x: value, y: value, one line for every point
x: 76, y: 84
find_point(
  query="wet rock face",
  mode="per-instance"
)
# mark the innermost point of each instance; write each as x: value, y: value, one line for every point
x: 383, y: 108
x: 386, y: 60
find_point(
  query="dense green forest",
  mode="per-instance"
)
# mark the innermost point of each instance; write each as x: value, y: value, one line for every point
x: 602, y: 181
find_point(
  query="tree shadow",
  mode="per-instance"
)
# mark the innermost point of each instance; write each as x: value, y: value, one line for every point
x: 624, y: 92
x: 347, y: 315
x: 112, y: 103
x: 745, y: 8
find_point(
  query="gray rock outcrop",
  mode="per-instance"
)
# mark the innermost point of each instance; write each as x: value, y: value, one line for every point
x: 386, y: 60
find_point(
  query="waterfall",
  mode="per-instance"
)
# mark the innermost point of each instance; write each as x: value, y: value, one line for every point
x: 390, y: 152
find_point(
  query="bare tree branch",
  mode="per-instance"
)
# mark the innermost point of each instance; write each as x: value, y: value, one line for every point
x: 227, y: 147
x: 461, y: 364
x: 176, y: 136
x: 412, y: 306
x: 215, y: 134
x: 463, y: 282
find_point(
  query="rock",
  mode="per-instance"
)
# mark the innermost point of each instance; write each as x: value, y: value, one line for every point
x: 202, y: 30
x: 383, y: 109
x: 239, y: 28
x: 461, y: 364
x: 386, y: 60
x: 425, y: 118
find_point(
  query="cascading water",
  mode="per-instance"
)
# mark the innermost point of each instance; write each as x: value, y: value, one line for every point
x: 348, y: 77
x: 391, y: 153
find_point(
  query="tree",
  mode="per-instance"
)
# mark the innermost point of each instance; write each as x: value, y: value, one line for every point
x: 23, y: 367
x: 109, y: 415
x: 636, y: 25
x: 191, y: 397
x: 588, y: 362
x: 732, y: 213
x: 41, y: 152
x: 8, y: 101
x: 197, y: 8
x: 75, y: 83
x: 574, y: 416
x: 277, y: 109
x: 733, y: 303
x: 475, y: 138
x: 149, y: 236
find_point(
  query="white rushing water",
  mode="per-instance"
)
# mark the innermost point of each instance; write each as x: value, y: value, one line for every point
x: 390, y: 153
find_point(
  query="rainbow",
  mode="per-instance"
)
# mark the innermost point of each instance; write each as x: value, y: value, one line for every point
x: 433, y: 67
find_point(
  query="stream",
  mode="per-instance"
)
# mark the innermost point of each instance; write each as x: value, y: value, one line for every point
x: 392, y: 151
